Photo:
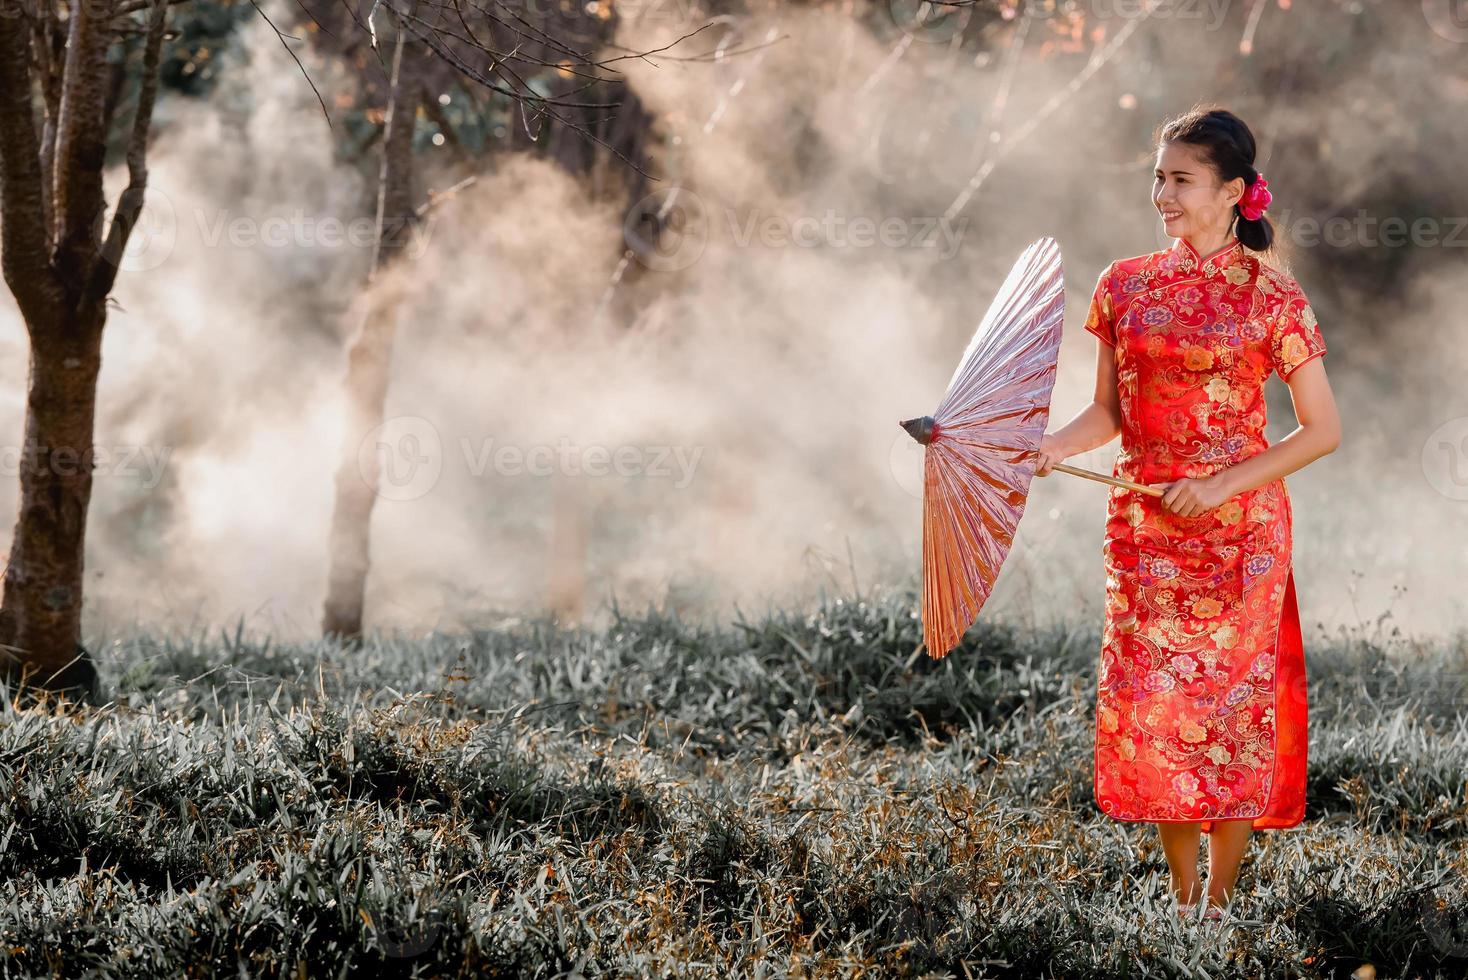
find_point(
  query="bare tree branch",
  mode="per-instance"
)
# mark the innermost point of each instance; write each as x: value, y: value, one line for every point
x: 706, y: 56
x: 545, y: 106
x: 537, y: 34
x: 130, y: 203
x: 48, y: 53
x: 281, y: 37
x: 24, y: 236
x: 439, y: 198
x: 435, y: 43
x: 81, y: 142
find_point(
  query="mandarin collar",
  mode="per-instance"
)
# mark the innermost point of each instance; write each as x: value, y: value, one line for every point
x: 1187, y: 258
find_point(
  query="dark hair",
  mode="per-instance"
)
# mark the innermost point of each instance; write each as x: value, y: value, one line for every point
x: 1228, y: 146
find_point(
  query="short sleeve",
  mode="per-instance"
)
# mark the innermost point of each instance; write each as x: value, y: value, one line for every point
x: 1294, y: 334
x: 1099, y: 320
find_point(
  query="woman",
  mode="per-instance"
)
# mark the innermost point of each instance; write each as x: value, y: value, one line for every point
x: 1201, y: 699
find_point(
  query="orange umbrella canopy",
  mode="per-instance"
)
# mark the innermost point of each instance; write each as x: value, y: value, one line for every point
x: 982, y: 444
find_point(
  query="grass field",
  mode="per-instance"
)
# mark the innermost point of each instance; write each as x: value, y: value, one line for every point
x: 796, y: 796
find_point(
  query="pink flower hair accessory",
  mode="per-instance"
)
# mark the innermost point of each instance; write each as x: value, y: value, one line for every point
x: 1256, y: 198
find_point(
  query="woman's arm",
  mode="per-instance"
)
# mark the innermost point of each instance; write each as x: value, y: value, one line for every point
x: 1095, y: 425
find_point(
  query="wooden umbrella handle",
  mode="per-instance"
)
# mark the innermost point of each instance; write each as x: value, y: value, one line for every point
x: 1113, y: 480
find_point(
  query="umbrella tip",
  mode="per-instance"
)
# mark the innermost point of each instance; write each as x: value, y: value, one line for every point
x: 922, y: 429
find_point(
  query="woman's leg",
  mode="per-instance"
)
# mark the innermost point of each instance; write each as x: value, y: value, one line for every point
x: 1180, y: 843
x: 1226, y: 846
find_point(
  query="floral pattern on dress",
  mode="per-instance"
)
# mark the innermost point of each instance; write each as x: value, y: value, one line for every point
x: 1200, y: 711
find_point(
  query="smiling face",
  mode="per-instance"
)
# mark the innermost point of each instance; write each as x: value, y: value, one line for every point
x: 1188, y: 195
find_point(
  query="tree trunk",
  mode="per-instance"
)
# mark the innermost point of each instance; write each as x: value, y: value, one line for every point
x: 568, y: 548
x: 40, y: 621
x: 369, y: 360
x: 60, y: 271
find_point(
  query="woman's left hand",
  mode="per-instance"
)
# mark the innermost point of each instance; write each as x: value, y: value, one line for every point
x: 1190, y: 498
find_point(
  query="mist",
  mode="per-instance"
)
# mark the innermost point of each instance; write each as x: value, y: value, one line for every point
x: 710, y: 426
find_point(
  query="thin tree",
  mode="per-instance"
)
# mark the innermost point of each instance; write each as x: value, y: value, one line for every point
x: 60, y: 257
x: 503, y: 54
x: 60, y: 77
x: 369, y: 357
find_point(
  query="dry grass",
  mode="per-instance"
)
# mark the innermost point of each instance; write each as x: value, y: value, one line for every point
x: 800, y: 796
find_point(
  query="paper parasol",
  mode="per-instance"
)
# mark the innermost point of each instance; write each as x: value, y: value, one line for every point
x: 982, y: 445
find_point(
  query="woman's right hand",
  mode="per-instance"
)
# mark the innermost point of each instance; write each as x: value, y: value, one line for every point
x: 1050, y: 453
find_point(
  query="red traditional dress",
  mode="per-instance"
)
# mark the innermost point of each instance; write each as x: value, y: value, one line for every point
x: 1201, y: 708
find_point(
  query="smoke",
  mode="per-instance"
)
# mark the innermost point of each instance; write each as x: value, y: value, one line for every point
x: 691, y: 400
